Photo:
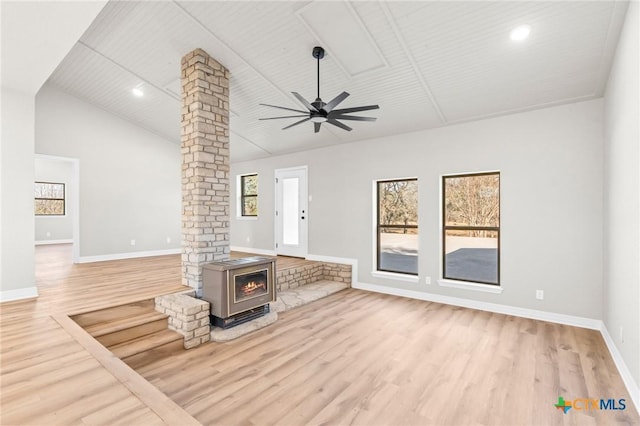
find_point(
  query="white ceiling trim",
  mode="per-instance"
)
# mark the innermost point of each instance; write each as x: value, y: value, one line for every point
x: 234, y: 52
x: 174, y: 83
x: 363, y: 28
x: 249, y: 141
x: 122, y: 67
x: 394, y: 26
x: 606, y: 59
x: 524, y: 109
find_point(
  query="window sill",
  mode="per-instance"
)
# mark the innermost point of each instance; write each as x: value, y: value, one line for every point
x: 486, y: 288
x: 396, y: 276
x: 247, y: 217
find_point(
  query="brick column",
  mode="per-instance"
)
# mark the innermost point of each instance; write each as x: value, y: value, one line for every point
x: 205, y: 165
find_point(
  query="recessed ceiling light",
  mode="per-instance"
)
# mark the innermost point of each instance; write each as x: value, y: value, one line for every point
x: 138, y: 93
x: 520, y: 33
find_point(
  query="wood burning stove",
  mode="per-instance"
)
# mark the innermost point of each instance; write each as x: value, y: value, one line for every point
x: 239, y: 289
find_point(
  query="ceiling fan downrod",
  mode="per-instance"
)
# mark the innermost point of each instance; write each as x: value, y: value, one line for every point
x: 318, y: 53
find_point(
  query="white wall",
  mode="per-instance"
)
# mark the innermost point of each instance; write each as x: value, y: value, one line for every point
x: 622, y: 197
x: 17, y: 272
x: 37, y: 35
x: 551, y: 202
x: 129, y: 178
x: 34, y: 38
x: 55, y: 228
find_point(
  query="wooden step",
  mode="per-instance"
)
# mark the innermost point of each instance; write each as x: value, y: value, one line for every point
x: 156, y: 354
x: 135, y: 332
x: 145, y: 343
x: 108, y: 327
x: 131, y: 328
x: 114, y: 313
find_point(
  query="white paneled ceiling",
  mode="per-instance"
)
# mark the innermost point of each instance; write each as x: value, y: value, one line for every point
x: 427, y: 64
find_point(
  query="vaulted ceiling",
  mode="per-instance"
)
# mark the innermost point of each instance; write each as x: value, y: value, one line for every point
x: 427, y: 64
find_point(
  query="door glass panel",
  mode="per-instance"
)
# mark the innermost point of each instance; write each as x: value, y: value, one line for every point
x: 290, y: 211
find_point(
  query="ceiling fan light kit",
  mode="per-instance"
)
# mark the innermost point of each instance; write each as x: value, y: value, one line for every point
x: 323, y: 112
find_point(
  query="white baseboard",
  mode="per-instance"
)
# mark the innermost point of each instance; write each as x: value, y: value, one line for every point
x: 627, y: 378
x: 47, y: 242
x: 18, y: 294
x: 575, y: 321
x: 341, y: 260
x: 131, y: 255
x: 252, y: 250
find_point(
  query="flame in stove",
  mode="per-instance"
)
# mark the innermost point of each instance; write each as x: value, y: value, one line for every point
x: 252, y: 286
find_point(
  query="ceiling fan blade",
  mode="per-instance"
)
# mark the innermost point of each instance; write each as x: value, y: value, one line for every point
x: 339, y: 124
x: 316, y: 127
x: 355, y: 109
x: 288, y: 109
x: 354, y: 118
x: 335, y: 101
x: 304, y: 102
x: 296, y: 123
x: 286, y: 116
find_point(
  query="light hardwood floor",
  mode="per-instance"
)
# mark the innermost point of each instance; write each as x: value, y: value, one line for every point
x: 352, y: 358
x: 371, y: 359
x: 52, y: 372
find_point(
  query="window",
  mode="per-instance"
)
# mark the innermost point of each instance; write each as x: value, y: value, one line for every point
x: 249, y: 195
x: 49, y: 199
x: 471, y: 231
x: 397, y: 226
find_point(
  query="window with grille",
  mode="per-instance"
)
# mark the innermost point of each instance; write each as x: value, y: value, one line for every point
x: 249, y: 195
x: 471, y: 227
x: 49, y: 199
x: 397, y: 226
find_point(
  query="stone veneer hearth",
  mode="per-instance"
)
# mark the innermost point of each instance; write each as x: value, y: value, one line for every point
x: 311, y: 272
x: 205, y: 165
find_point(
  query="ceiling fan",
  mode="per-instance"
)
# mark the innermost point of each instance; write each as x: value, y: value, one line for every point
x: 320, y: 112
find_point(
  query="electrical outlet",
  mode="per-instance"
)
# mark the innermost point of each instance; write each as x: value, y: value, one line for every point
x: 427, y: 280
x: 133, y: 242
x: 540, y: 294
x: 48, y: 234
x: 168, y: 240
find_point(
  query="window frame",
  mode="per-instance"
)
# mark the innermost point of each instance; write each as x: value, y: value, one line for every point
x: 63, y: 199
x: 244, y: 196
x: 446, y: 228
x: 378, y: 226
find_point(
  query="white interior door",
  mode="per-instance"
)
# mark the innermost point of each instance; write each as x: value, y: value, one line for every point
x: 291, y: 211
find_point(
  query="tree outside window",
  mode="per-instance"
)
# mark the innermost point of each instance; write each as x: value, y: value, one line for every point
x: 471, y: 231
x: 49, y: 199
x: 249, y: 195
x: 397, y: 226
